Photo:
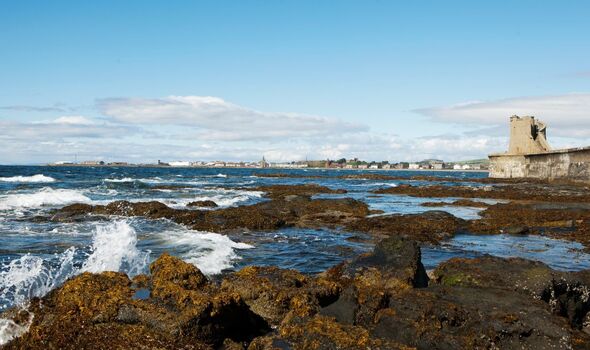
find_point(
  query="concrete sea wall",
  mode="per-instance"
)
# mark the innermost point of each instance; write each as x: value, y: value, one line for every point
x: 572, y: 164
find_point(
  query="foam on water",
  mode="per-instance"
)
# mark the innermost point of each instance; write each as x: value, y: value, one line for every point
x: 10, y: 330
x: 125, y: 179
x: 44, y: 197
x: 33, y: 178
x: 390, y: 184
x: 210, y: 252
x: 222, y: 197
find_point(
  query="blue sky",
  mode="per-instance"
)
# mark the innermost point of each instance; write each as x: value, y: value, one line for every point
x: 146, y: 80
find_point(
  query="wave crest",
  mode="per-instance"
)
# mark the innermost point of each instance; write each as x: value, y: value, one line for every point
x: 39, y: 178
x: 44, y: 197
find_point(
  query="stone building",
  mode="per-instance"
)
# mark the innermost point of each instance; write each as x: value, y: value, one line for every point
x: 530, y: 156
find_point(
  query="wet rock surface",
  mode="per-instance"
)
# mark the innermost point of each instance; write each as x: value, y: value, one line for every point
x: 207, y: 203
x: 570, y: 221
x: 431, y: 226
x: 380, y: 300
x: 525, y: 191
x: 457, y: 203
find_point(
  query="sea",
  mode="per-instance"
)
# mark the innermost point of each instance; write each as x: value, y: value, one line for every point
x: 37, y: 255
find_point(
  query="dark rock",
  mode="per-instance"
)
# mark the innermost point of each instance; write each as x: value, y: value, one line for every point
x: 517, y: 230
x: 273, y: 293
x: 127, y: 314
x: 431, y: 226
x: 207, y: 203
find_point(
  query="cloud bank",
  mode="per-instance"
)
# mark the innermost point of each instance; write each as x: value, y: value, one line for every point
x: 216, y: 119
x: 567, y: 115
x: 209, y: 128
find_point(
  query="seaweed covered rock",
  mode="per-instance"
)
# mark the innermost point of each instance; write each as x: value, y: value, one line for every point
x: 567, y: 293
x: 431, y: 226
x: 100, y: 311
x: 467, y: 318
x: 369, y: 280
x: 281, y: 191
x: 203, y: 204
x: 322, y: 333
x: 273, y: 293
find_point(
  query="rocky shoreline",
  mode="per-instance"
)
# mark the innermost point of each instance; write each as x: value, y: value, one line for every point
x: 380, y: 300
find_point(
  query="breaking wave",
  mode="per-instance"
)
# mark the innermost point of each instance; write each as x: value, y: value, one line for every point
x: 40, y: 178
x: 210, y: 252
x: 125, y: 179
x: 113, y: 248
x: 44, y: 197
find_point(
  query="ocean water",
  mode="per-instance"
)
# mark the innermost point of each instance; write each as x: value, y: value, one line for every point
x: 36, y: 256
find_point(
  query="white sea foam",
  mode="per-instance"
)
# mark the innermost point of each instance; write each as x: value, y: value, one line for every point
x: 390, y: 184
x: 220, y: 175
x: 125, y: 179
x: 210, y: 252
x: 43, y: 197
x: 222, y: 197
x: 34, y: 178
x: 154, y: 180
x: 10, y: 330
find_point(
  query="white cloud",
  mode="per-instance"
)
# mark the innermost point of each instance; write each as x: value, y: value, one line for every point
x: 74, y: 120
x: 61, y: 128
x: 209, y: 128
x: 567, y: 115
x: 22, y: 108
x: 220, y: 120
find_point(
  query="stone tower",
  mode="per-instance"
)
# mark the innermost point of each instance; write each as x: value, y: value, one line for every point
x: 527, y: 136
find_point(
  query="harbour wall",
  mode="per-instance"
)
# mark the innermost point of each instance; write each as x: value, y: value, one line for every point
x: 570, y: 164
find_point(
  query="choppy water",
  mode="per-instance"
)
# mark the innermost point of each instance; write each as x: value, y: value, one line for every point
x: 37, y: 256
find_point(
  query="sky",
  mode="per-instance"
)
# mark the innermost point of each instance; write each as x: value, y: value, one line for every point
x: 145, y: 80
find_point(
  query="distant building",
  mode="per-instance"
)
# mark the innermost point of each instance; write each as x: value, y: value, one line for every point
x: 437, y: 165
x: 413, y: 166
x: 264, y: 163
x: 457, y: 167
x: 363, y: 166
x: 386, y: 166
x: 180, y: 163
x: 374, y: 166
x: 92, y: 162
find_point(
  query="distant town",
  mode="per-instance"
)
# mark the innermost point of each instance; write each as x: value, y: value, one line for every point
x: 343, y: 163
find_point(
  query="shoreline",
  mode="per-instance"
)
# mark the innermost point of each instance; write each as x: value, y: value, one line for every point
x: 241, y: 168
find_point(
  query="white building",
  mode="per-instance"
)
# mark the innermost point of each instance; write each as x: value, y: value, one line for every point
x: 180, y: 163
x: 414, y: 166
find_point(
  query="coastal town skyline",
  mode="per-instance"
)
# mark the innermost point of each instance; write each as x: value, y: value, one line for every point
x: 136, y: 81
